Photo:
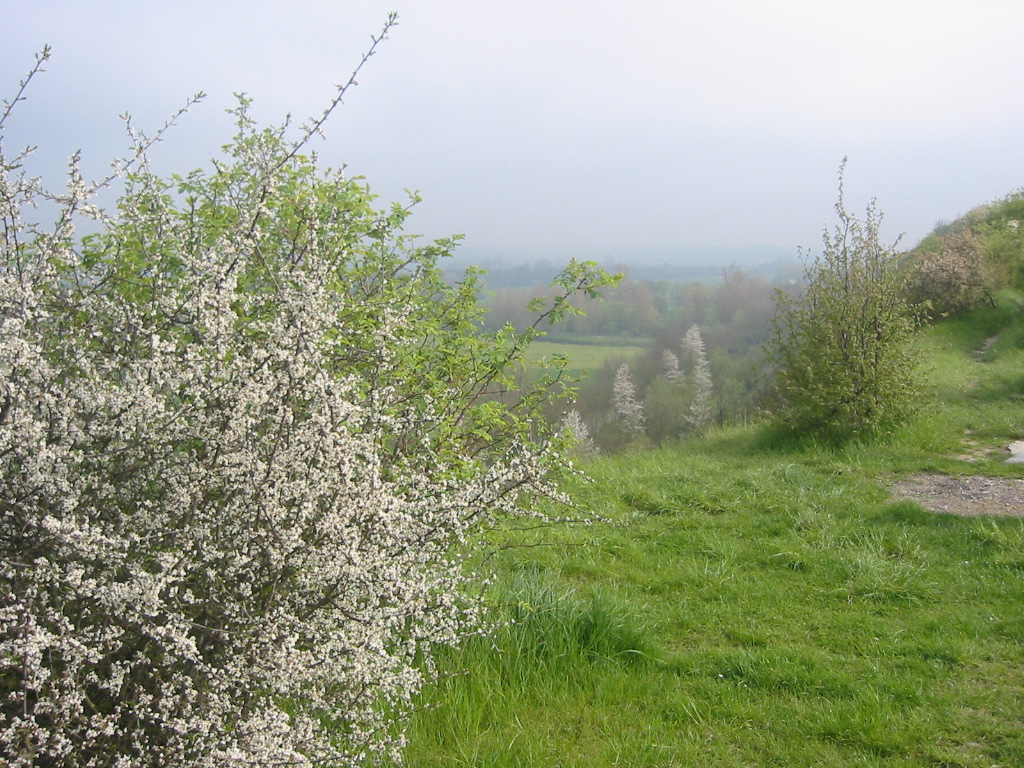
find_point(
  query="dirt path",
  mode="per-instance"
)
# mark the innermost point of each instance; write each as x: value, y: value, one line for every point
x: 975, y: 495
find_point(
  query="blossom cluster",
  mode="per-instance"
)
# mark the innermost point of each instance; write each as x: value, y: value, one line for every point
x: 579, y: 433
x: 247, y: 436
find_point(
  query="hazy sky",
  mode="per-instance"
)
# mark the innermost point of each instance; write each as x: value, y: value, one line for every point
x: 563, y: 127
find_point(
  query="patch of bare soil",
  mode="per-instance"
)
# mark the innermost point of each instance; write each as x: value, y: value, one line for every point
x: 975, y: 495
x: 973, y: 450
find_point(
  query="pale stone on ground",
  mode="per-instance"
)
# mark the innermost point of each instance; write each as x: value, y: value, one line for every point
x: 975, y: 495
x: 1016, y: 453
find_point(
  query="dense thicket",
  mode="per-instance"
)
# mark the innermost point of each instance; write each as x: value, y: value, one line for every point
x: 246, y: 432
x: 845, y: 367
x: 962, y: 264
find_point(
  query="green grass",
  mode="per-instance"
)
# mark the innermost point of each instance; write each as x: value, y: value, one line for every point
x: 583, y: 357
x: 744, y: 604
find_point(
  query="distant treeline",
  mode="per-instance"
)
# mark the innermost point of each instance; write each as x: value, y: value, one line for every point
x: 527, y: 274
x: 732, y: 312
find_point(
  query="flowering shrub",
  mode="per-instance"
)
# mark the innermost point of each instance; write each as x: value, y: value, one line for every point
x: 670, y: 362
x: 845, y: 365
x: 699, y: 415
x: 247, y: 434
x: 627, y: 408
x: 579, y: 433
x: 955, y: 278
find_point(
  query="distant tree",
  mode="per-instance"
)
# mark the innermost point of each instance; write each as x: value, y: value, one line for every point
x: 665, y: 409
x: 845, y: 366
x: 731, y: 400
x: 744, y: 308
x: 579, y: 433
x: 701, y: 406
x: 627, y: 408
x: 671, y: 362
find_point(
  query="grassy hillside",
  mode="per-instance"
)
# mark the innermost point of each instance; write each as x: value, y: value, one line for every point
x: 745, y: 603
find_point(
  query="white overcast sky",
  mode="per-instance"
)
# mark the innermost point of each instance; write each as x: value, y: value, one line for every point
x: 563, y: 127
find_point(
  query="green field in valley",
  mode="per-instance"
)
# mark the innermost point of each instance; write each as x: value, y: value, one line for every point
x: 583, y: 357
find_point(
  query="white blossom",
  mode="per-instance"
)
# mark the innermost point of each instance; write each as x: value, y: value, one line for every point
x: 578, y: 430
x: 627, y: 407
x: 239, y: 468
x: 700, y: 411
x: 670, y: 362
